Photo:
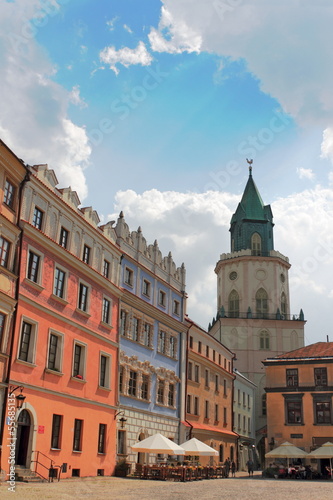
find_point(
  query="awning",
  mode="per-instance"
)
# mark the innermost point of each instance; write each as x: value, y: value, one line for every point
x: 205, y: 427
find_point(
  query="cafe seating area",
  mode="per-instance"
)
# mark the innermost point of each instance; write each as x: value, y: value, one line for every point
x: 179, y: 472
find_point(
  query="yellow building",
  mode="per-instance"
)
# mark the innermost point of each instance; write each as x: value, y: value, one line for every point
x: 299, y: 387
x: 209, y: 394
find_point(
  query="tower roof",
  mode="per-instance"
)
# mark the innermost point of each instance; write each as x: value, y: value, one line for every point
x: 251, y: 202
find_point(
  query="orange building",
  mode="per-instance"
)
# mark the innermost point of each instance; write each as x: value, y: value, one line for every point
x: 299, y: 387
x: 209, y: 394
x: 65, y: 341
x: 13, y: 174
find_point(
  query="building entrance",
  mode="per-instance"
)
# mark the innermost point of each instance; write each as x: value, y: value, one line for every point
x: 22, y: 435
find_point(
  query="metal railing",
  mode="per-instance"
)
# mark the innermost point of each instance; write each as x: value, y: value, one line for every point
x: 50, y: 468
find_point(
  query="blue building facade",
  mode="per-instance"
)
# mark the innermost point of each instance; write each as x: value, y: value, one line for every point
x: 152, y: 342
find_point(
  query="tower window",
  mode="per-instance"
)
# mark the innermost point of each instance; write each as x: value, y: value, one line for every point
x: 262, y: 303
x: 264, y: 340
x: 233, y: 304
x: 283, y: 304
x: 256, y: 244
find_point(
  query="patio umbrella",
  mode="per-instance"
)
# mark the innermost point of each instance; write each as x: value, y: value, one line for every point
x: 198, y: 448
x: 325, y: 451
x: 157, y: 443
x: 286, y: 450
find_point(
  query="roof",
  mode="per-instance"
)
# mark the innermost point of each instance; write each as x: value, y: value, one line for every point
x: 251, y: 201
x: 317, y: 350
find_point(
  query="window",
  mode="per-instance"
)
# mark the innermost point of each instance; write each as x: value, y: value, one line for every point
x: 292, y: 377
x: 262, y: 303
x: 264, y: 340
x: 189, y: 374
x: 225, y: 414
x: 214, y: 354
x: 83, y: 297
x: 145, y: 387
x: 206, y: 378
x: 171, y: 395
x: 59, y: 283
x: 106, y: 310
x: 160, y: 391
x: 199, y: 347
x: 104, y: 371
x: 63, y: 238
x: 122, y: 442
x: 121, y: 379
x: 216, y: 413
x: 283, y: 304
x: 128, y: 276
x: 320, y: 376
x: 234, y: 304
x: 196, y: 406
x: 146, y: 288
x: 323, y: 412
x: 37, y: 219
x: 216, y: 383
x: 33, y: 267
x: 101, y: 438
x: 106, y: 268
x: 176, y: 307
x: 249, y: 425
x: 207, y: 351
x: 191, y: 342
x: 206, y: 409
x: 2, y: 327
x: 294, y: 412
x: 239, y: 397
x: 256, y: 244
x: 86, y: 254
x: 135, y: 330
x: 161, y: 341
x: 26, y: 350
x: 244, y: 399
x: 77, y: 440
x: 4, y: 251
x: 196, y: 373
x: 123, y: 322
x: 239, y: 421
x: 244, y: 423
x: 55, y: 352
x: 224, y: 387
x: 162, y: 298
x: 56, y: 431
x: 79, y: 360
x: 172, y: 346
x: 263, y: 405
x: 147, y: 334
x: 220, y: 359
x: 132, y: 383
x: 248, y: 401
x: 188, y: 406
x: 9, y: 194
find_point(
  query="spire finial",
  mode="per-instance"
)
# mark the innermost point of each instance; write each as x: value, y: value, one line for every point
x: 250, y: 165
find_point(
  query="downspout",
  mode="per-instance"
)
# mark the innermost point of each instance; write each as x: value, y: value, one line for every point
x: 16, y: 266
x: 186, y: 371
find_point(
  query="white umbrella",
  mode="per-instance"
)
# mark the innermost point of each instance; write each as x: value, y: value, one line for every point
x: 325, y: 451
x: 198, y: 448
x: 286, y: 450
x: 158, y: 444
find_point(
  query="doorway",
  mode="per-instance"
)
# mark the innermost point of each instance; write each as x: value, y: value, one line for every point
x: 23, y: 437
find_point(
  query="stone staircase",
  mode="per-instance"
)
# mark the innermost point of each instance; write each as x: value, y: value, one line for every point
x: 27, y: 475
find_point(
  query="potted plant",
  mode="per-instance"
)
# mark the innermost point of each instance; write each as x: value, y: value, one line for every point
x: 122, y: 468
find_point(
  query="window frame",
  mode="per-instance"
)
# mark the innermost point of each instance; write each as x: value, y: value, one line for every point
x: 38, y: 218
x: 106, y: 269
x: 77, y: 435
x: 63, y: 237
x: 106, y: 310
x: 132, y: 383
x: 86, y: 254
x: 128, y: 276
x: 34, y: 273
x: 56, y: 432
x: 106, y: 372
x: 58, y: 355
x: 9, y: 194
x: 31, y: 344
x: 320, y: 376
x: 101, y: 444
x: 79, y: 365
x: 146, y: 288
x: 5, y: 248
x: 292, y: 377
x: 83, y: 297
x: 162, y: 298
x: 60, y: 291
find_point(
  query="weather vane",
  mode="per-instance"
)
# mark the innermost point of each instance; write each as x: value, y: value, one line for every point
x: 250, y: 164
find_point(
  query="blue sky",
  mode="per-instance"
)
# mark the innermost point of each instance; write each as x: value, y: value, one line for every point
x: 152, y: 108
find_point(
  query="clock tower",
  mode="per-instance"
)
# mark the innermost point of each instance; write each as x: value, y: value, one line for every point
x: 254, y: 319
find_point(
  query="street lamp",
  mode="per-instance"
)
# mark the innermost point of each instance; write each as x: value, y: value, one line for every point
x: 19, y: 398
x: 122, y: 420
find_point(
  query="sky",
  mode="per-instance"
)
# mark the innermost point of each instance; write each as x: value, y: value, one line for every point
x: 153, y: 107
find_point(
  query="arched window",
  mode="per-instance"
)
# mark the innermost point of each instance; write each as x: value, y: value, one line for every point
x: 262, y: 303
x: 283, y: 304
x: 264, y: 340
x: 256, y: 244
x: 233, y: 304
x: 221, y: 457
x: 263, y: 405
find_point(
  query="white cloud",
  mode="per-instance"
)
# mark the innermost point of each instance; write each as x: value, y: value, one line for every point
x: 195, y: 228
x: 327, y: 144
x: 34, y: 121
x: 125, y: 56
x: 173, y: 35
x: 111, y: 23
x: 305, y: 173
x: 127, y: 28
x: 75, y: 97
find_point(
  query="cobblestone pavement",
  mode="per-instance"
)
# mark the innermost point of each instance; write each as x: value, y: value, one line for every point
x: 240, y: 488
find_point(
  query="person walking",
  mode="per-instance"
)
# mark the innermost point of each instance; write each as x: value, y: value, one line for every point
x: 250, y: 467
x: 233, y: 469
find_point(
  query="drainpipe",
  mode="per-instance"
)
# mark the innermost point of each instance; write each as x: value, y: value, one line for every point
x: 186, y: 370
x: 17, y: 267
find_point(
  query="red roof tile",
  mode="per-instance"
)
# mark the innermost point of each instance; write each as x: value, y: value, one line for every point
x: 317, y: 350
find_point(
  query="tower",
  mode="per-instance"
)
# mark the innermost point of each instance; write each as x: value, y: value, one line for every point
x: 253, y: 304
